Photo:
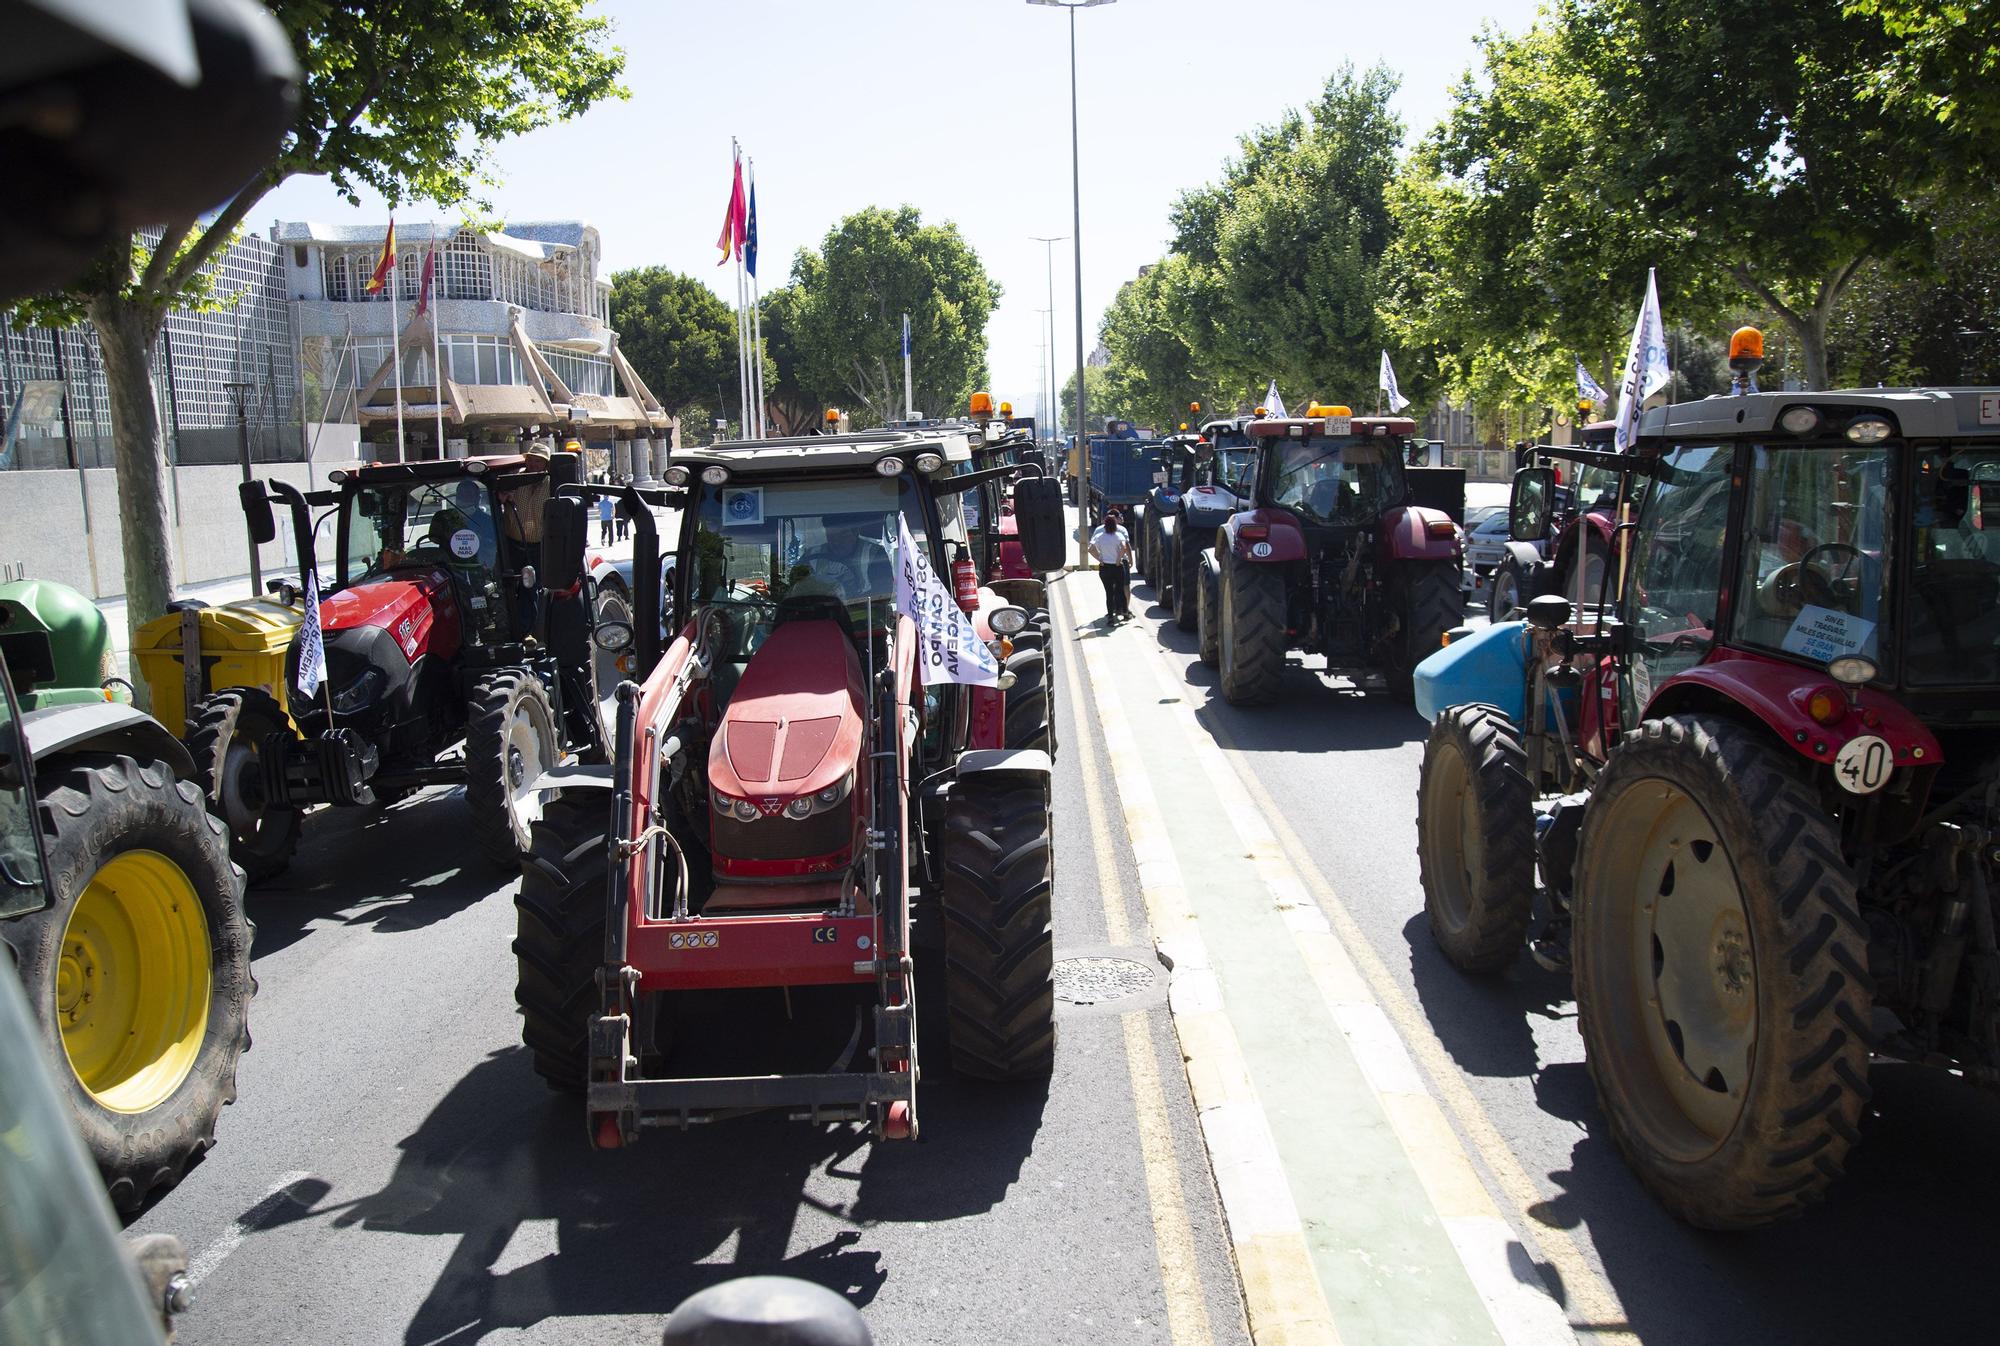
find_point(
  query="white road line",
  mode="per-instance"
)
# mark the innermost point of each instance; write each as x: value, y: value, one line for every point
x: 203, y: 1264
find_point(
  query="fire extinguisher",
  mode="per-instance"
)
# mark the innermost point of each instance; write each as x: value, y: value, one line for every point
x: 965, y: 581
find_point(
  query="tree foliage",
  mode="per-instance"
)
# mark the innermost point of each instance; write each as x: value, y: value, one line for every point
x: 845, y: 323
x: 404, y: 97
x: 679, y: 335
x: 1099, y: 403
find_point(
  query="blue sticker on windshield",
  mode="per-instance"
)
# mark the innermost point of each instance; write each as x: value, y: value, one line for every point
x: 743, y: 506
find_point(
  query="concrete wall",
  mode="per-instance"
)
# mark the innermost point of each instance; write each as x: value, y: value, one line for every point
x: 44, y: 534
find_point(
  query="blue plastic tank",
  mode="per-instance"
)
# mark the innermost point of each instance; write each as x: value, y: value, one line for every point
x: 1490, y: 665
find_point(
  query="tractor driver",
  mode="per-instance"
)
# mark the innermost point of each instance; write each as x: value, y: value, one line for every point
x: 846, y: 565
x: 467, y: 514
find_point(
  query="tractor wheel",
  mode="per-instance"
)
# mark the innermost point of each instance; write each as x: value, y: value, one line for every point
x: 1253, y: 633
x: 1027, y: 714
x: 139, y: 971
x: 1476, y: 838
x: 1208, y: 614
x: 1512, y: 585
x: 999, y: 951
x: 1721, y: 973
x: 510, y: 740
x: 559, y: 917
x: 227, y: 744
x: 1431, y: 603
x: 1187, y: 580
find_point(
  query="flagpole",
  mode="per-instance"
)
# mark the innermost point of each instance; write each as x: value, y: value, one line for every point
x: 396, y: 349
x: 909, y: 394
x: 437, y: 343
x: 757, y: 318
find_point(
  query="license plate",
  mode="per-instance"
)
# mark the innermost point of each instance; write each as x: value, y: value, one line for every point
x: 1989, y: 410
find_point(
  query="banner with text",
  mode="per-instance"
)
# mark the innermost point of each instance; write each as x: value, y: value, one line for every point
x: 949, y: 649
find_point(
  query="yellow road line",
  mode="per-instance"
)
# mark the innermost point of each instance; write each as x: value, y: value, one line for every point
x: 1173, y: 1233
x: 1592, y: 1305
x: 1282, y: 1295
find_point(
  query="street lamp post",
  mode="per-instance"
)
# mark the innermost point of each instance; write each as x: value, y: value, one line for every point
x: 1049, y: 365
x: 1076, y: 237
x: 239, y: 393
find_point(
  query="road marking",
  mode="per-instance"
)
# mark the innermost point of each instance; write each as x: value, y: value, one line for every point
x: 275, y: 1198
x: 1173, y: 1233
x: 1592, y: 1305
x: 1281, y: 1289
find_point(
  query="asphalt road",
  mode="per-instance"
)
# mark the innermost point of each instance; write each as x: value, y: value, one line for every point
x: 394, y: 1172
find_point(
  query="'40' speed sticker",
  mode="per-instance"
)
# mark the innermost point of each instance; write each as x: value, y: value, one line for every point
x: 1863, y: 764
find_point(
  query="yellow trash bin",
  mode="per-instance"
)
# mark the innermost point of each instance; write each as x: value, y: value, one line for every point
x: 242, y: 644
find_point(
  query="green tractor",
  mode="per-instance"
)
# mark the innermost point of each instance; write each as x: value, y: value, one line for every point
x: 135, y: 952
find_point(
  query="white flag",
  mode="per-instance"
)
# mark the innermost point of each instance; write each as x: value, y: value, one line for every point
x: 1645, y: 365
x: 948, y: 648
x: 1387, y: 383
x: 1587, y: 387
x: 312, y: 646
x: 1272, y: 402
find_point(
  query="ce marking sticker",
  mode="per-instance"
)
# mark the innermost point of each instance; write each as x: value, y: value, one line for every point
x: 826, y: 934
x: 699, y: 939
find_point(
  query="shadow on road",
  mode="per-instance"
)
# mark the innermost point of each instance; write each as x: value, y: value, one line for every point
x: 637, y: 1231
x: 400, y: 868
x: 1901, y: 1251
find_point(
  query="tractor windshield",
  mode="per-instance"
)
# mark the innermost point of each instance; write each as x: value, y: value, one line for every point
x: 1952, y: 633
x: 1816, y: 550
x: 1338, y: 479
x: 757, y: 545
x: 1228, y: 466
x: 398, y: 524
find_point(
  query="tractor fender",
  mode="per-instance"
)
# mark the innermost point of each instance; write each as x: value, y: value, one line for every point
x: 1278, y: 528
x: 104, y: 726
x: 1526, y: 555
x: 1168, y: 523
x: 1004, y: 761
x: 1776, y: 693
x: 573, y: 778
x: 1405, y: 535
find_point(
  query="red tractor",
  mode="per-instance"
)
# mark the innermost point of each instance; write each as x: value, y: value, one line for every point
x: 1333, y: 559
x: 800, y: 796
x: 1750, y: 796
x: 435, y: 632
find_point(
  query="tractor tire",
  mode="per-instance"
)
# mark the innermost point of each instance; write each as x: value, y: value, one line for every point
x: 510, y: 739
x: 227, y: 744
x: 1252, y: 650
x: 559, y: 916
x: 139, y: 971
x: 1476, y: 838
x: 1187, y: 581
x: 1721, y: 966
x: 999, y: 950
x: 1432, y: 603
x: 1512, y: 585
x: 1208, y: 613
x: 1027, y: 714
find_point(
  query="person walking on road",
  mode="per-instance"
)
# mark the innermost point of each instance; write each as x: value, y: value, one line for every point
x: 1112, y: 549
x: 604, y: 509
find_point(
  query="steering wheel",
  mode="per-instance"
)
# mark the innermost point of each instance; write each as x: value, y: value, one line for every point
x: 1823, y: 585
x: 830, y: 576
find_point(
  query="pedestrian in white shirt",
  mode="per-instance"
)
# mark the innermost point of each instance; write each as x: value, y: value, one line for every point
x: 1112, y: 549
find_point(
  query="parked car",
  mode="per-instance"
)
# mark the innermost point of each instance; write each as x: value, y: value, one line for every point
x: 1486, y: 540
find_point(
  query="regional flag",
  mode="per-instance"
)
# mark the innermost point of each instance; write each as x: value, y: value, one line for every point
x: 734, y: 233
x: 387, y: 265
x: 750, y: 230
x: 430, y: 274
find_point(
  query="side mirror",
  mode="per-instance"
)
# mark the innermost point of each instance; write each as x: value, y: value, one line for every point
x: 565, y: 469
x: 257, y: 512
x: 1038, y: 518
x: 564, y: 528
x: 1529, y: 508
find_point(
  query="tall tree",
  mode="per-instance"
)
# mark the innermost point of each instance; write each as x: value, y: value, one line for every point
x: 873, y: 267
x: 794, y: 404
x: 402, y: 97
x: 1940, y: 58
x: 679, y: 335
x: 1153, y: 371
x: 1101, y: 405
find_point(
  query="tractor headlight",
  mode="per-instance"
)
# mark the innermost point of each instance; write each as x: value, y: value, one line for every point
x: 675, y: 476
x: 888, y: 467
x: 1007, y: 621
x: 928, y: 463
x: 1800, y: 420
x: 715, y: 474
x: 1868, y: 430
x: 1851, y: 670
x: 746, y: 812
x: 361, y: 693
x: 801, y: 807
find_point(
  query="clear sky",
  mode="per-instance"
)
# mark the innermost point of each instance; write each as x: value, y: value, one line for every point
x: 959, y: 107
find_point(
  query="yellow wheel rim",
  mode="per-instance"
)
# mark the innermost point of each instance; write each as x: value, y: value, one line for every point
x: 132, y: 987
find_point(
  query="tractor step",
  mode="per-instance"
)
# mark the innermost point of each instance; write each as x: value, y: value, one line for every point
x: 331, y: 769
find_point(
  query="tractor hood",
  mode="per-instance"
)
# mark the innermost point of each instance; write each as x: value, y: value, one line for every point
x: 793, y: 726
x: 417, y: 609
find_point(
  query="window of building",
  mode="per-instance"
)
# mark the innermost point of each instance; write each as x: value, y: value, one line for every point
x: 468, y: 269
x: 336, y: 276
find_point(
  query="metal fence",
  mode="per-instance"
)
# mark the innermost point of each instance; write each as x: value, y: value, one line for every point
x: 249, y: 340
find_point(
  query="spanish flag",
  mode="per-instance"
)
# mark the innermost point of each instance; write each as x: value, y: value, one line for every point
x: 387, y: 266
x: 734, y: 227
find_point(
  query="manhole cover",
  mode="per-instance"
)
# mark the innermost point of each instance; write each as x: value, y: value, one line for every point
x: 1092, y: 981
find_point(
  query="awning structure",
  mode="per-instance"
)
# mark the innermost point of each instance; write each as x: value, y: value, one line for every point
x: 544, y: 400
